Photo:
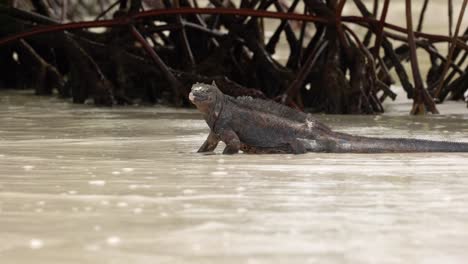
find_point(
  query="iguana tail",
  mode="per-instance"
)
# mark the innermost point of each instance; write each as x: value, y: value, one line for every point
x: 357, y: 144
x: 344, y: 143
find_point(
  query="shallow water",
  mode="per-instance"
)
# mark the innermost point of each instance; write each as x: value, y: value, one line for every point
x: 124, y: 185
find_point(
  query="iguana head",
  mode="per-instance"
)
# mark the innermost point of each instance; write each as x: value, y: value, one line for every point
x: 205, y: 96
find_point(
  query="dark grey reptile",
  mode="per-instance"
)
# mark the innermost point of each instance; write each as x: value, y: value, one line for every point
x: 261, y: 126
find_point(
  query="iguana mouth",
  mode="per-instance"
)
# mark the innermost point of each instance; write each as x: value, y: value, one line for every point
x: 197, y: 98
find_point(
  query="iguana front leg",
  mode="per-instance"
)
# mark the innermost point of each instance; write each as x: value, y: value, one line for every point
x: 297, y: 147
x: 210, y: 144
x: 232, y: 141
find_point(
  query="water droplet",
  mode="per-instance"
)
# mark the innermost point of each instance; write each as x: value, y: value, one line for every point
x: 122, y: 204
x: 219, y: 173
x: 36, y: 243
x: 139, y: 186
x: 188, y: 191
x: 97, y: 182
x: 113, y: 240
x: 28, y: 167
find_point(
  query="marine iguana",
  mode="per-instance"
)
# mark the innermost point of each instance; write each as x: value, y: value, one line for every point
x: 261, y: 126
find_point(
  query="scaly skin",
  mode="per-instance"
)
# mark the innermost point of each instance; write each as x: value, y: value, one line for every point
x: 260, y: 126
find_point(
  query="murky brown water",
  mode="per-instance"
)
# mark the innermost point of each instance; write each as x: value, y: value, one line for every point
x: 124, y: 185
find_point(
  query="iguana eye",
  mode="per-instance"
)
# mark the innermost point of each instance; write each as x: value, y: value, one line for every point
x: 198, y: 88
